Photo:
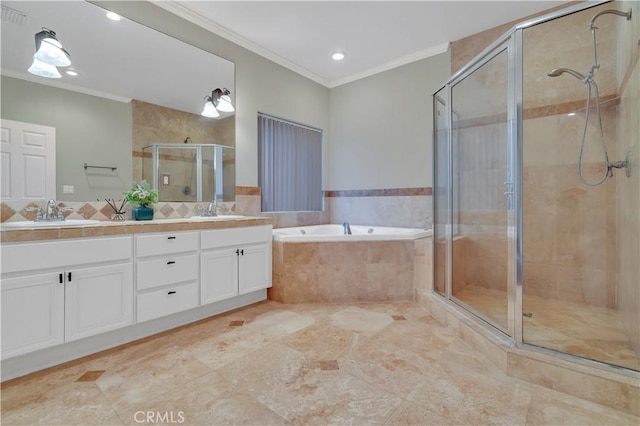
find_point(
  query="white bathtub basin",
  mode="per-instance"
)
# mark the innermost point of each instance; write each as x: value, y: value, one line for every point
x: 53, y: 224
x: 219, y: 217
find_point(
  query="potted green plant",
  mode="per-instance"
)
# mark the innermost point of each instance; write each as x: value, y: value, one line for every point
x: 141, y: 195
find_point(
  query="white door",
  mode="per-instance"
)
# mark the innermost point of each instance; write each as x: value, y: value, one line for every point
x: 218, y: 275
x: 28, y: 161
x: 98, y: 300
x: 32, y: 313
x: 255, y: 268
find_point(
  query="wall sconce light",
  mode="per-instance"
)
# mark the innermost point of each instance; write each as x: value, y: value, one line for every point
x: 218, y: 101
x: 49, y: 55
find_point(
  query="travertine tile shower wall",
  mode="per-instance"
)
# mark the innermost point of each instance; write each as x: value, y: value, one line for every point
x: 569, y: 253
x: 628, y: 189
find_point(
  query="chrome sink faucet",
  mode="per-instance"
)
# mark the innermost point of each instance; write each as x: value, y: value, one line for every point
x: 52, y: 212
x: 212, y: 210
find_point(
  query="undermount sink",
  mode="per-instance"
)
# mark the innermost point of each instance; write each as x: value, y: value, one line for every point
x: 51, y: 224
x: 219, y: 217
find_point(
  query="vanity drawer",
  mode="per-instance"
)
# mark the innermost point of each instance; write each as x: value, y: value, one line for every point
x: 234, y: 237
x: 166, y: 243
x: 20, y: 257
x: 166, y: 270
x: 169, y: 300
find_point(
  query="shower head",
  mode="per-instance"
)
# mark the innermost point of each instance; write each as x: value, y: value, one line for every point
x: 626, y: 14
x: 559, y: 71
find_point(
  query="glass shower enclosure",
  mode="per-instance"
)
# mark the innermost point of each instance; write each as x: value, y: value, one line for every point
x: 525, y: 238
x: 190, y: 172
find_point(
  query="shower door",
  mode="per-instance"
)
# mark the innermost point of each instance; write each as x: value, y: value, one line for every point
x: 480, y: 186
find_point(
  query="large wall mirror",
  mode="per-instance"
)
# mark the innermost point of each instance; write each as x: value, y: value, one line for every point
x: 135, y: 87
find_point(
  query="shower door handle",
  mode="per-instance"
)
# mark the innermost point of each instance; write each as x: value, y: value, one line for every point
x: 508, y: 186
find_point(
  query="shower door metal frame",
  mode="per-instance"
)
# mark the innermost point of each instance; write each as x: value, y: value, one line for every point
x: 508, y: 47
x: 513, y: 39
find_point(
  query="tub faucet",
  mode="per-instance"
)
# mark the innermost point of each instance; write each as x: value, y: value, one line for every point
x: 347, y: 228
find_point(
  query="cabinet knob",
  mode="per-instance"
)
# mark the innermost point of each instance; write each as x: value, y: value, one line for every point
x: 171, y: 292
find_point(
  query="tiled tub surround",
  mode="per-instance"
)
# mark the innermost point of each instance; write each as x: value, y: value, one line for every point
x: 401, y: 207
x: 345, y: 271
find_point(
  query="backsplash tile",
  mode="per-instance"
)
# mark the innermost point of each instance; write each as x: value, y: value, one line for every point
x: 405, y: 207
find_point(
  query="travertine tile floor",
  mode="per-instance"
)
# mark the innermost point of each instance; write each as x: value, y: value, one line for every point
x: 383, y: 363
x: 592, y: 332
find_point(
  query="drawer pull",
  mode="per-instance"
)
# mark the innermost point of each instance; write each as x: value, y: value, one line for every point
x: 171, y: 262
x: 171, y: 238
x: 171, y: 292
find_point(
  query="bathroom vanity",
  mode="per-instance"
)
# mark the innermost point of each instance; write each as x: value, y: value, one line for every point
x: 71, y: 291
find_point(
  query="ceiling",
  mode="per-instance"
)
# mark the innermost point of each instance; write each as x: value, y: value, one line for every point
x: 376, y: 35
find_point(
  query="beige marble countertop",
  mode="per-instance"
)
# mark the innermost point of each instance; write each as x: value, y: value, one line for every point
x: 106, y: 228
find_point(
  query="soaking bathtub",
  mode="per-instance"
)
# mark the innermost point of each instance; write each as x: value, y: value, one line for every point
x: 335, y: 233
x: 318, y: 264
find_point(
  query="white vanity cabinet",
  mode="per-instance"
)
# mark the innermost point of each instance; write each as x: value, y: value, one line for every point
x: 234, y: 261
x: 167, y: 273
x: 63, y: 290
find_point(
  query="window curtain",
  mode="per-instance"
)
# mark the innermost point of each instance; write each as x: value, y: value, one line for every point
x: 290, y: 165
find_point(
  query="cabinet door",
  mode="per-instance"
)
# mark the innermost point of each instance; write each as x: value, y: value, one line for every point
x: 218, y: 275
x: 255, y: 268
x: 32, y: 313
x: 98, y: 300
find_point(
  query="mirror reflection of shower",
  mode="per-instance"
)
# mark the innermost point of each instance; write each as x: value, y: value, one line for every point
x: 591, y: 85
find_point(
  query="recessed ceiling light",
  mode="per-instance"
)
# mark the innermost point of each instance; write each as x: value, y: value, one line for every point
x: 113, y: 16
x: 72, y: 73
x: 338, y: 55
x: 571, y: 114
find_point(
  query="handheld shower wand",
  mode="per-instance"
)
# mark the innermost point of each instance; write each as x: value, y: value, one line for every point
x: 590, y: 82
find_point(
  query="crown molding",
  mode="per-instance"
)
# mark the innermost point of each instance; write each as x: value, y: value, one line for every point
x: 197, y: 19
x: 67, y: 86
x: 432, y: 51
x: 173, y: 6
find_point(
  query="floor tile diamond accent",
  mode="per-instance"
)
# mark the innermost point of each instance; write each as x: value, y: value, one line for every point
x: 398, y: 317
x: 236, y: 323
x: 91, y: 376
x: 328, y: 365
